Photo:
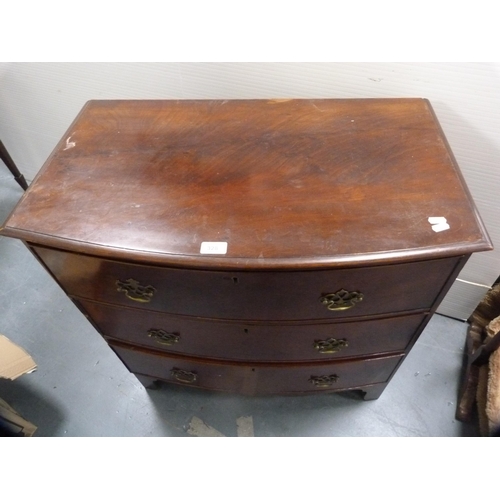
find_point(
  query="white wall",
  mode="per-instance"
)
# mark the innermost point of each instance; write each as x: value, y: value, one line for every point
x: 38, y: 101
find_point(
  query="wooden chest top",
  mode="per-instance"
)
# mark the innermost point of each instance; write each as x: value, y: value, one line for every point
x: 286, y: 184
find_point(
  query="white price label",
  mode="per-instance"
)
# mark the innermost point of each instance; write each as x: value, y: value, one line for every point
x: 438, y: 224
x: 214, y: 247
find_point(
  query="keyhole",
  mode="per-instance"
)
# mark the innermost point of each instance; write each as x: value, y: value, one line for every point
x: 246, y: 330
x: 235, y: 280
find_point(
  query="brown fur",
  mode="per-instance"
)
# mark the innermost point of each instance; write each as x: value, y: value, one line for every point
x: 492, y: 406
x: 482, y: 384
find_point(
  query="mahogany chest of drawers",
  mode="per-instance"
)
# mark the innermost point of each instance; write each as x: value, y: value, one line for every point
x: 259, y: 247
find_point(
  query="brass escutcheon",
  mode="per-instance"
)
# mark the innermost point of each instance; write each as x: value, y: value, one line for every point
x: 183, y: 375
x: 323, y: 380
x: 330, y: 346
x: 135, y: 291
x: 163, y: 337
x: 341, y: 300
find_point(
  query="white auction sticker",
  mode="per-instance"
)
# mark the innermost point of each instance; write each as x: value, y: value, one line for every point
x: 438, y: 224
x: 437, y: 220
x: 214, y: 247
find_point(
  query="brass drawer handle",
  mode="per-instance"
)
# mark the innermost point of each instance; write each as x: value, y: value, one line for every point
x: 330, y: 346
x: 323, y: 380
x: 163, y: 337
x: 135, y: 291
x: 341, y: 300
x: 183, y: 375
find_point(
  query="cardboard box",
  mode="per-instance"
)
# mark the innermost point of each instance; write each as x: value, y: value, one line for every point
x: 14, y: 362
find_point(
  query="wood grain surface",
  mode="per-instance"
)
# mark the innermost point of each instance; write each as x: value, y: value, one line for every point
x: 294, y: 183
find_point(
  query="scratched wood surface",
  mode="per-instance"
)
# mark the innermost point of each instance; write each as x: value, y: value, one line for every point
x: 285, y: 183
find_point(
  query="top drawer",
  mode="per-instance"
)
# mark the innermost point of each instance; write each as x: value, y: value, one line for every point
x: 262, y: 295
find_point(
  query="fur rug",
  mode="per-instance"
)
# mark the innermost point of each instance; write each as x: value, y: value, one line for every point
x: 492, y: 403
x: 481, y: 385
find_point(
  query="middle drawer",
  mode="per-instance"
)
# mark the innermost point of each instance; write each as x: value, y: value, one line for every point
x: 253, y: 341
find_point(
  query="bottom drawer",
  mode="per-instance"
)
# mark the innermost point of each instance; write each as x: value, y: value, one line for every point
x: 257, y: 378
